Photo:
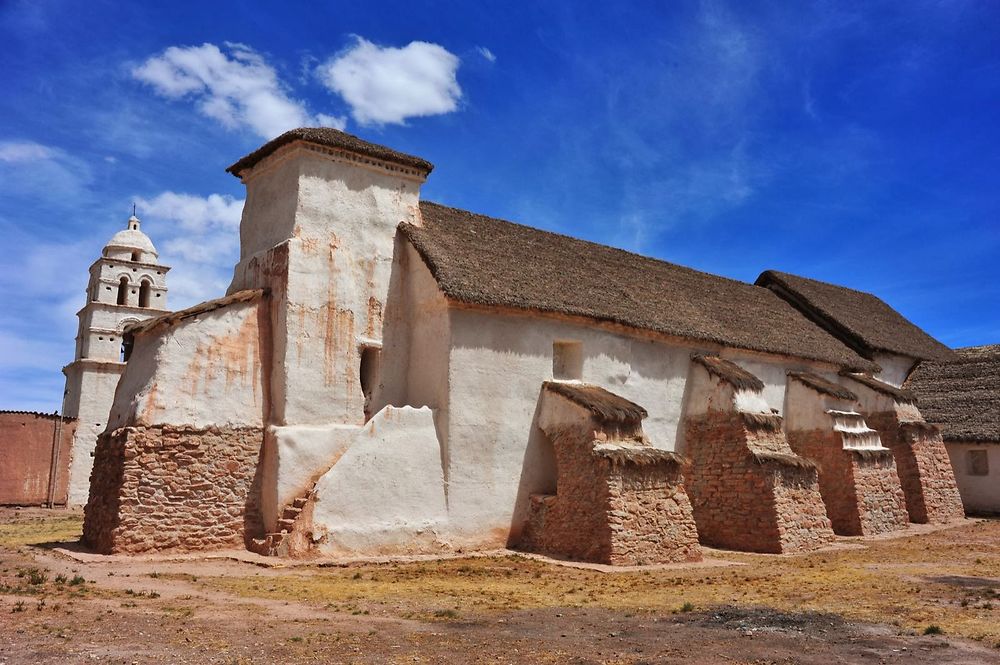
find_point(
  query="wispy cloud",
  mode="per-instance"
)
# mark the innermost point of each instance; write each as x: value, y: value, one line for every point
x: 487, y: 54
x: 235, y: 86
x: 388, y: 85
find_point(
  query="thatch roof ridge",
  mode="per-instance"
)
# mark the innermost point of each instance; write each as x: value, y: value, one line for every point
x: 332, y: 138
x: 39, y: 414
x: 638, y: 455
x: 823, y: 386
x: 860, y: 319
x: 604, y: 404
x: 962, y: 396
x: 491, y: 262
x: 729, y: 372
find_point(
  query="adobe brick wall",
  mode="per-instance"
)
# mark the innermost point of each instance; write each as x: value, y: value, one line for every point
x: 743, y: 504
x: 26, y: 457
x: 861, y: 490
x: 613, y: 513
x: 924, y: 468
x: 174, y: 488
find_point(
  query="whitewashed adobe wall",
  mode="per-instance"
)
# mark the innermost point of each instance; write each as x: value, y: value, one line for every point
x: 200, y: 372
x: 980, y: 493
x: 495, y: 454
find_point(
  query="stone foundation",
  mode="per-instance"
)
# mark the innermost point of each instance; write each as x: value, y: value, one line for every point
x: 613, y: 511
x: 174, y: 488
x: 748, y: 490
x: 860, y: 488
x: 924, y: 468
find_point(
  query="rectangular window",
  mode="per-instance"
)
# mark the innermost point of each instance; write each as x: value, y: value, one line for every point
x: 567, y: 360
x: 979, y: 463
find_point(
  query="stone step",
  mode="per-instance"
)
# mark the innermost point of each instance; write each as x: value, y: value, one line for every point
x: 291, y: 512
x: 286, y: 524
x: 300, y: 502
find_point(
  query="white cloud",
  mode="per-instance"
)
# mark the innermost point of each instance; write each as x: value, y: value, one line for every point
x: 486, y: 53
x: 194, y: 213
x: 387, y: 85
x: 237, y: 88
x: 24, y: 151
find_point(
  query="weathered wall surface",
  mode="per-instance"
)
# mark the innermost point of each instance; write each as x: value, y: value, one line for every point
x: 204, y: 371
x: 980, y: 492
x: 174, y: 488
x: 386, y: 494
x: 26, y: 447
x: 336, y: 219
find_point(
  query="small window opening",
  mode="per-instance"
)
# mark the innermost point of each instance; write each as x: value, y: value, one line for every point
x: 126, y: 348
x: 979, y: 463
x: 144, y: 294
x: 371, y: 358
x: 136, y: 256
x: 122, y: 290
x: 567, y: 360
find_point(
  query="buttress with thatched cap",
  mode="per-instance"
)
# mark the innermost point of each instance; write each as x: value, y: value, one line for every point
x: 131, y: 240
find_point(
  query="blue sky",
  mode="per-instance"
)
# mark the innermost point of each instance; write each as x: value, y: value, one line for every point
x: 856, y: 143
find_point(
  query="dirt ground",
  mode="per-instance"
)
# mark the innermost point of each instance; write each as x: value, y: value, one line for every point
x: 926, y: 597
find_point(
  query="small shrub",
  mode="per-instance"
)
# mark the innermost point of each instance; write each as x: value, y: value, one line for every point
x: 687, y: 607
x: 60, y: 579
x: 18, y: 607
x: 933, y: 629
x: 77, y: 580
x: 356, y: 576
x: 446, y: 614
x: 294, y: 639
x: 36, y: 576
x: 154, y: 574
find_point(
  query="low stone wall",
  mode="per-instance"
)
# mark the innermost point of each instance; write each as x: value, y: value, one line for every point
x: 748, y: 490
x: 860, y: 489
x: 619, y: 513
x: 26, y: 447
x: 174, y: 488
x: 924, y: 468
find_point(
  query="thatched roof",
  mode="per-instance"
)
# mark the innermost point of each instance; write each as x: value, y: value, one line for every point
x: 729, y: 372
x: 962, y: 396
x: 638, y: 455
x: 485, y: 261
x: 331, y: 138
x: 898, y: 394
x: 605, y: 405
x: 783, y: 459
x: 201, y: 308
x: 771, y: 422
x: 862, y: 321
x: 823, y: 386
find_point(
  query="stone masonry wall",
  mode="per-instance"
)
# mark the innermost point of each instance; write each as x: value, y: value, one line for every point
x: 924, y: 469
x: 573, y: 522
x: 650, y: 517
x: 861, y: 490
x: 174, y: 488
x: 745, y: 504
x: 619, y: 513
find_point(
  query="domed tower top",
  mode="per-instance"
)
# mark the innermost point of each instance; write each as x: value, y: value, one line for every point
x: 131, y: 244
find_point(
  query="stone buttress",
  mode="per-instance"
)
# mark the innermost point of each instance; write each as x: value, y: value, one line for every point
x: 749, y: 491
x: 925, y: 472
x: 618, y: 500
x: 857, y: 475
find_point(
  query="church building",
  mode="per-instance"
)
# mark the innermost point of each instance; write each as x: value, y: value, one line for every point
x: 388, y: 375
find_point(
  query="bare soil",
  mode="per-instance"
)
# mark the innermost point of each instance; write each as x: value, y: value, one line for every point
x: 865, y: 601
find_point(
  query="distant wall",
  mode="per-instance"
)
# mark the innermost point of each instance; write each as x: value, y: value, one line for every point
x: 977, y: 472
x: 26, y: 457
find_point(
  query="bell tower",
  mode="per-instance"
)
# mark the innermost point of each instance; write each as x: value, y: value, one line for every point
x: 127, y: 284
